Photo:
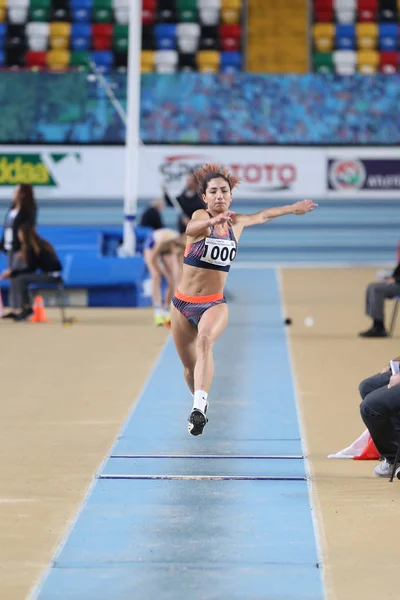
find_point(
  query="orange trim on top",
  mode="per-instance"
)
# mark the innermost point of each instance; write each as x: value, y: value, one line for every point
x: 198, y: 299
x: 225, y: 234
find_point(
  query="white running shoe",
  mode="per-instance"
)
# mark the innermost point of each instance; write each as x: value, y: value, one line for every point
x: 384, y: 469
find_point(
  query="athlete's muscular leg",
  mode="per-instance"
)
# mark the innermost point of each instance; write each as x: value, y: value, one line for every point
x: 184, y: 335
x: 211, y: 325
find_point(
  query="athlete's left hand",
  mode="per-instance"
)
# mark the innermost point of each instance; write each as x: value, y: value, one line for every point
x: 303, y: 207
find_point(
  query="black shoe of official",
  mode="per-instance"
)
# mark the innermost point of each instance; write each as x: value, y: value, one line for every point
x: 24, y: 314
x: 374, y: 332
x: 197, y: 421
x: 9, y: 315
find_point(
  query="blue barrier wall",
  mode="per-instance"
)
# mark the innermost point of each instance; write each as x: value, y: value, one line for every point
x: 39, y: 107
x: 89, y: 263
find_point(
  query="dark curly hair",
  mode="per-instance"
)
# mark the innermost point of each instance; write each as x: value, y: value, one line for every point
x: 212, y: 171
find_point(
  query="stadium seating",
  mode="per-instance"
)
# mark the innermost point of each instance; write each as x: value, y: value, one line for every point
x: 345, y: 62
x: 356, y: 36
x: 61, y: 34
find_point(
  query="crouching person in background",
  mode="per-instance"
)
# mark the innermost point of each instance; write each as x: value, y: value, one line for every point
x: 42, y: 266
x: 163, y: 255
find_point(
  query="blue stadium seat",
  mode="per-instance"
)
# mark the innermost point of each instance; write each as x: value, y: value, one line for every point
x: 81, y: 10
x: 165, y: 36
x: 81, y: 34
x: 388, y: 36
x: 3, y: 34
x: 231, y: 62
x: 103, y: 59
x: 345, y: 37
x: 2, y: 58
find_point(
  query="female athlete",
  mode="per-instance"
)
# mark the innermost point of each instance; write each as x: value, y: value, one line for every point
x: 199, y: 312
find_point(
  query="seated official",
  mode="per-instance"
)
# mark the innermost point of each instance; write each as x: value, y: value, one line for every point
x: 380, y: 411
x: 42, y: 266
x: 376, y: 295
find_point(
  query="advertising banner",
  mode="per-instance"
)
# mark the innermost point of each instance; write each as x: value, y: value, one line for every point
x: 80, y: 173
x: 366, y: 173
x: 263, y: 172
x: 63, y: 173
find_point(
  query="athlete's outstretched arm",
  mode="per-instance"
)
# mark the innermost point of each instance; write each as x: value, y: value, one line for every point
x: 201, y: 222
x: 263, y: 216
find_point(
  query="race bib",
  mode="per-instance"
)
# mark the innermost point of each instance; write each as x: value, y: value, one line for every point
x: 219, y: 252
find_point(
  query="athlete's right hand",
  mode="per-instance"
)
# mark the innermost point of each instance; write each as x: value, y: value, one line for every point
x: 225, y: 217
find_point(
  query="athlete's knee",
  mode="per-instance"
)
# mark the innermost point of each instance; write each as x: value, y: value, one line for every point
x: 203, y: 343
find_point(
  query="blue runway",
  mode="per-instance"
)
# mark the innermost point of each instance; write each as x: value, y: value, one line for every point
x: 225, y: 516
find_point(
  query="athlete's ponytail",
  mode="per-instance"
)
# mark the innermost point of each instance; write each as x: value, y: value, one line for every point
x: 212, y: 171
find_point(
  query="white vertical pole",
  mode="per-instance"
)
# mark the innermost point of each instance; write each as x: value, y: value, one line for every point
x: 132, y: 127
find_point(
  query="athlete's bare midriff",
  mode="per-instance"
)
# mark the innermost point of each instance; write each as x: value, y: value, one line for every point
x: 201, y: 282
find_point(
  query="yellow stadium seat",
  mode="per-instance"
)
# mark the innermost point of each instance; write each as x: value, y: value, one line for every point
x: 367, y: 61
x: 208, y: 61
x: 59, y: 35
x: 60, y: 29
x: 367, y: 34
x: 58, y: 60
x: 59, y: 43
x: 147, y: 61
x: 323, y: 44
x: 3, y: 14
x: 232, y: 4
x: 230, y: 11
x: 229, y: 15
x: 323, y: 34
x: 3, y: 3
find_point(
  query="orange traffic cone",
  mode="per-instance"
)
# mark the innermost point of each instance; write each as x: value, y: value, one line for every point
x: 39, y: 314
x: 369, y: 453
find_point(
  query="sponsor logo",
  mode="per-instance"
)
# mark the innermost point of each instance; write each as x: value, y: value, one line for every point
x: 24, y: 168
x: 365, y: 175
x: 267, y: 177
x: 346, y: 174
x: 177, y: 168
x: 259, y: 177
x: 31, y: 168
